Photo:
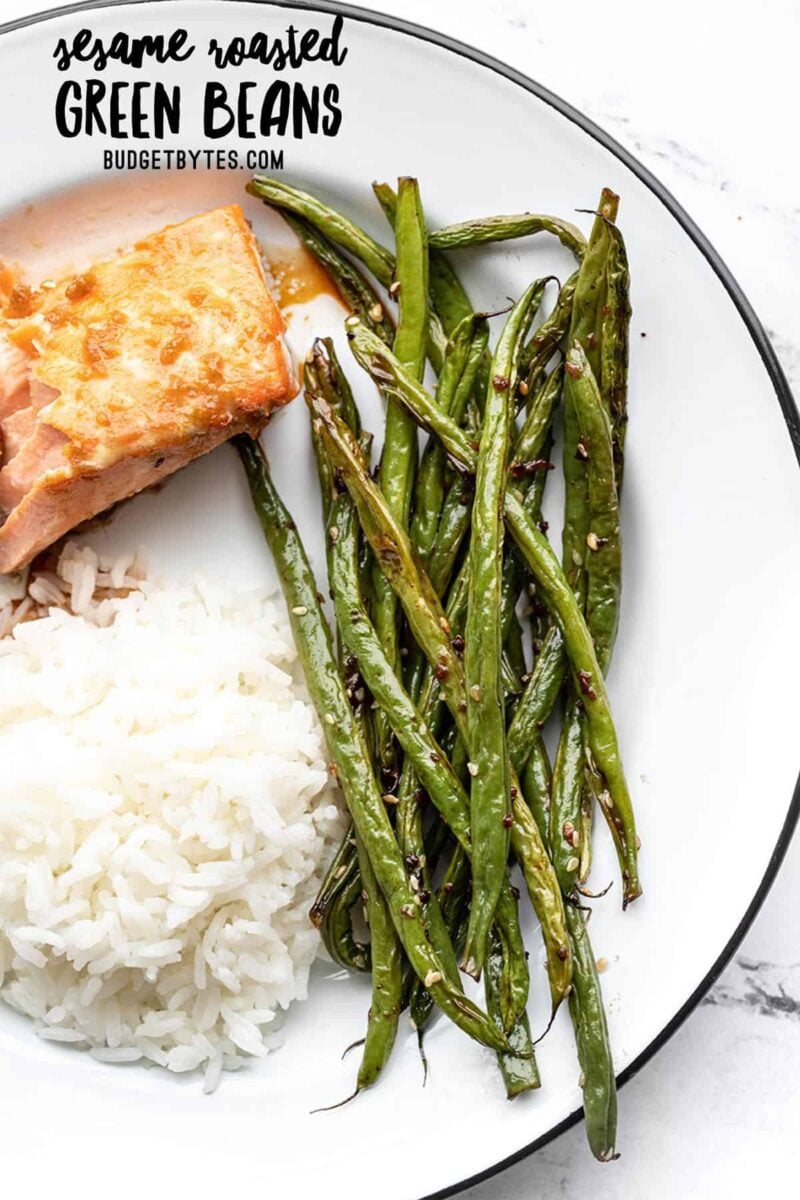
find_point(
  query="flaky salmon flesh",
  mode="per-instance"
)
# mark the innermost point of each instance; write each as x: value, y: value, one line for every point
x: 112, y: 379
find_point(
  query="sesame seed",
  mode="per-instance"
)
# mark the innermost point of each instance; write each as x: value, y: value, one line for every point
x: 602, y: 965
x: 432, y: 977
x: 475, y: 692
x: 394, y: 290
x: 572, y: 863
x: 414, y: 883
x: 389, y: 799
x: 523, y: 388
x: 330, y: 719
x: 376, y: 312
x: 592, y: 541
x: 333, y: 533
x: 472, y: 768
x: 300, y: 610
x: 577, y: 558
x: 352, y: 322
x: 339, y: 872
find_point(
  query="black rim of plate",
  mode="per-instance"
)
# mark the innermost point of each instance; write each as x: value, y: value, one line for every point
x: 763, y: 345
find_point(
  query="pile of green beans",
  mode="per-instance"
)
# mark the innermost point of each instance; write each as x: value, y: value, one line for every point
x: 461, y: 636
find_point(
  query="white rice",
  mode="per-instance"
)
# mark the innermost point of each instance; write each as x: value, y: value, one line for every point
x: 165, y: 815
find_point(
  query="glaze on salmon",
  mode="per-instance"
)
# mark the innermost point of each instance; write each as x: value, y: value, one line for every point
x: 112, y: 379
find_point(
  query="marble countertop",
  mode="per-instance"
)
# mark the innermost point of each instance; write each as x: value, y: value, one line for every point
x: 705, y: 96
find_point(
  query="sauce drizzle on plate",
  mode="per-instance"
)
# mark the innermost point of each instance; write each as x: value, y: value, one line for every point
x: 298, y: 277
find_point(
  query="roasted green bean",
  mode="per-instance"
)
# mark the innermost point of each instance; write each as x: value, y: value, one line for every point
x: 348, y: 751
x: 448, y: 298
x: 501, y: 229
x: 387, y: 977
x: 565, y: 799
x: 613, y: 379
x: 490, y: 799
x: 399, y: 454
x: 592, y: 318
x: 591, y: 1037
x: 603, y: 564
x: 331, y: 911
x: 517, y: 1065
x: 537, y: 783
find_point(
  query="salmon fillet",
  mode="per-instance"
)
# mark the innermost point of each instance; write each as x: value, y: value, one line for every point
x: 112, y: 379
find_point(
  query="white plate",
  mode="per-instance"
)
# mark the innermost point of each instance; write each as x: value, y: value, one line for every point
x: 704, y: 682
